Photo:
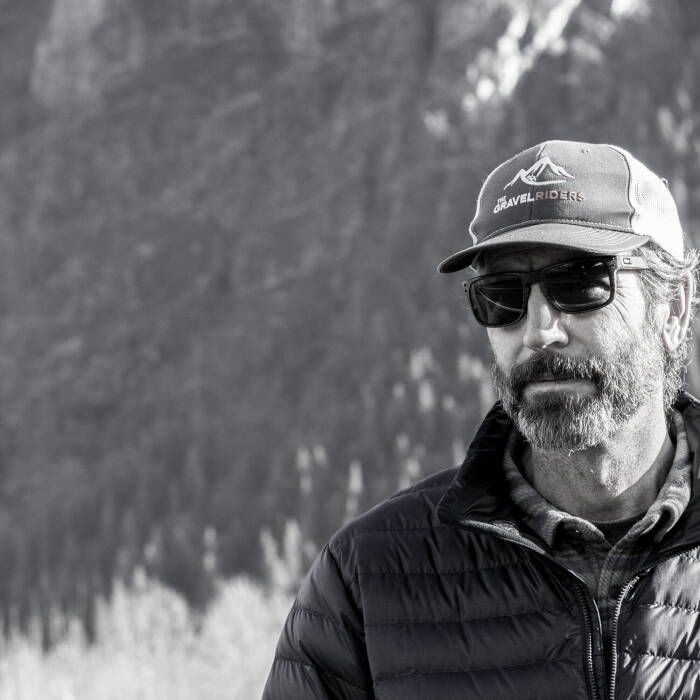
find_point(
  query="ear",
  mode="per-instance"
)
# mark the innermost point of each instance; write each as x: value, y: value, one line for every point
x: 676, y: 326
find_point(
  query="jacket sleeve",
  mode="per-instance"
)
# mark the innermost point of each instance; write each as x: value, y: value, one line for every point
x: 321, y: 653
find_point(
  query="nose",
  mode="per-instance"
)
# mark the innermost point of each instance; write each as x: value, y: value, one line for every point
x: 543, y: 323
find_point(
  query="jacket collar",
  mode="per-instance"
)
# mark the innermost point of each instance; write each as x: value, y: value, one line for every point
x: 479, y: 495
x: 479, y: 491
x: 686, y: 533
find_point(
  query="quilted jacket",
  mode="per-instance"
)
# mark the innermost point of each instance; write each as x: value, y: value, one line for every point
x: 439, y: 593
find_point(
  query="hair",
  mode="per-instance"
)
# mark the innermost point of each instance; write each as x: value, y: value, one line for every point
x: 661, y: 284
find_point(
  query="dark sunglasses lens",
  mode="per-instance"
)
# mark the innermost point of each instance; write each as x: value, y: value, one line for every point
x: 497, y: 300
x: 579, y: 286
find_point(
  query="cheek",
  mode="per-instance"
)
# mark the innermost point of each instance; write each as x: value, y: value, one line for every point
x: 504, y: 345
x: 629, y: 308
x: 616, y: 323
x: 615, y: 326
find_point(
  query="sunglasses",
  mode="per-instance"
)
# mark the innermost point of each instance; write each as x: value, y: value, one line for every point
x: 572, y: 286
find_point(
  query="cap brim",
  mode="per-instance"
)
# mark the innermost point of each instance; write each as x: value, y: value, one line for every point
x: 589, y: 239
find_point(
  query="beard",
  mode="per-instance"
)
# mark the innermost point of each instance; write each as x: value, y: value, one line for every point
x: 625, y: 375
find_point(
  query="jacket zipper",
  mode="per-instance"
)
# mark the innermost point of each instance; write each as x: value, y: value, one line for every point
x: 580, y: 589
x: 613, y: 629
x: 588, y: 627
x: 618, y: 609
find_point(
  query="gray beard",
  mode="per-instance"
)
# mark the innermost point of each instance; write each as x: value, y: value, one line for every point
x: 625, y: 376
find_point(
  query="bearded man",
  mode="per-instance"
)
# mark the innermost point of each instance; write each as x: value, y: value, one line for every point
x: 562, y: 559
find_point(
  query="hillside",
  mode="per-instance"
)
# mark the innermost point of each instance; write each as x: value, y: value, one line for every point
x: 220, y: 223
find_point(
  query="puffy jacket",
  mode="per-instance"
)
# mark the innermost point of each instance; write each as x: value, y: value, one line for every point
x: 439, y: 593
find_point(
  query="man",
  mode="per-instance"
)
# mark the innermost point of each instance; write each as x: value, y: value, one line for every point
x: 562, y: 559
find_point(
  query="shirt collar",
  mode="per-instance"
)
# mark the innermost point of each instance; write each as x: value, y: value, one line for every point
x: 545, y: 518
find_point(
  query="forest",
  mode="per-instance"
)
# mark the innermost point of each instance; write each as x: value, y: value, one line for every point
x: 222, y: 331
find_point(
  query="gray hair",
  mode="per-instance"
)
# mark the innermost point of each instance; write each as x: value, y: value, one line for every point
x: 661, y: 284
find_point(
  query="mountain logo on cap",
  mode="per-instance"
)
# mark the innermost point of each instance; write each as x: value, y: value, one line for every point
x: 543, y: 172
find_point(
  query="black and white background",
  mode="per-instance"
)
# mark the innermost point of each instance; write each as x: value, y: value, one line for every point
x: 222, y: 332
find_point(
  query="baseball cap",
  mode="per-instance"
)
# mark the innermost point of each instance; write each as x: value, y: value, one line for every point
x: 585, y: 196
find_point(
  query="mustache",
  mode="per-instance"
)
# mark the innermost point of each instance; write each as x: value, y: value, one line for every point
x: 543, y: 366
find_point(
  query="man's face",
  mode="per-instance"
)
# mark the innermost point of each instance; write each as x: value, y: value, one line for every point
x: 570, y: 381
